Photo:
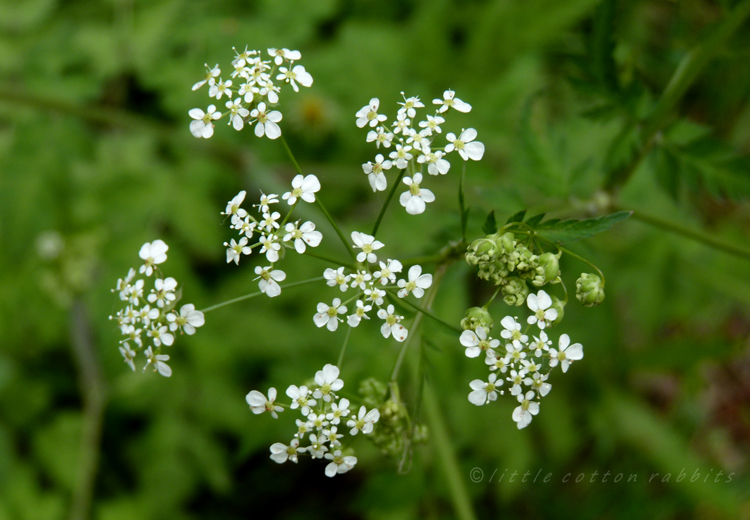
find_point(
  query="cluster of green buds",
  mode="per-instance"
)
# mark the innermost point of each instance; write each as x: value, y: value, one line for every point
x: 590, y: 289
x: 510, y: 264
x: 395, y: 428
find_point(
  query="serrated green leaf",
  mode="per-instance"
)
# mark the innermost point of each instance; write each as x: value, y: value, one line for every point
x: 560, y: 231
x: 667, y: 171
x: 518, y: 217
x: 490, y: 224
x: 536, y: 219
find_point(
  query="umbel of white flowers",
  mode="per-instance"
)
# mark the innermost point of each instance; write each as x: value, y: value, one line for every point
x: 153, y: 313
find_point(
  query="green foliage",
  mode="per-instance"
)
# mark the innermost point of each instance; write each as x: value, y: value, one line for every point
x: 570, y: 230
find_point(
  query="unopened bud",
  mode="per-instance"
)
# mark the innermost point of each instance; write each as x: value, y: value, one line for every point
x: 515, y: 291
x: 505, y: 242
x: 481, y: 251
x: 550, y: 269
x: 559, y: 306
x: 590, y: 289
x: 477, y: 317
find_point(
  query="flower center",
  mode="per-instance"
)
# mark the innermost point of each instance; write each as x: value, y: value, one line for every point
x: 414, y: 189
x: 331, y: 312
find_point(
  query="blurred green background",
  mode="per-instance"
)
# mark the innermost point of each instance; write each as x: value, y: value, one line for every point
x: 581, y: 113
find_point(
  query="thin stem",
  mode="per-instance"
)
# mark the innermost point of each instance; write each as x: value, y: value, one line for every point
x: 258, y: 293
x: 461, y: 203
x: 486, y: 305
x: 693, y: 235
x: 571, y: 253
x: 387, y: 202
x: 426, y: 312
x: 93, y: 391
x: 343, y: 347
x: 335, y: 226
x: 327, y: 259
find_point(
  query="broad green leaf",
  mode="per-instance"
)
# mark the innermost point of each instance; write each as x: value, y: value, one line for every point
x: 536, y: 219
x: 570, y: 230
x: 490, y: 225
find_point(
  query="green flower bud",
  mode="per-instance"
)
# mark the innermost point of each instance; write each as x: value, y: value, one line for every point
x: 550, y: 269
x: 559, y: 306
x: 477, y: 317
x: 515, y: 291
x: 373, y: 392
x: 481, y: 251
x: 590, y: 289
x: 505, y: 242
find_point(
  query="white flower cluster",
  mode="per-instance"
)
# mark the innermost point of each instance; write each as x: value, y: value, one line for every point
x: 370, y: 284
x: 525, y: 364
x: 153, y: 313
x: 414, y: 146
x: 324, y: 413
x: 256, y: 92
x: 273, y: 239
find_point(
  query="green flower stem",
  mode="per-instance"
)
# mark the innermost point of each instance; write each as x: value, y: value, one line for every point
x: 497, y: 291
x: 343, y: 348
x: 330, y: 260
x: 693, y: 235
x: 426, y: 312
x: 335, y: 226
x: 571, y: 253
x: 687, y: 71
x: 461, y: 203
x: 258, y: 293
x: 387, y: 201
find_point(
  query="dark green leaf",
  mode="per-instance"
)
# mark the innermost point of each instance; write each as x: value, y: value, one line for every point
x: 560, y: 231
x: 518, y: 217
x: 490, y: 224
x: 536, y: 219
x: 667, y: 171
x: 603, y: 46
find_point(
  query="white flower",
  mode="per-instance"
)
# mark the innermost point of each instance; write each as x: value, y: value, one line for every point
x: 129, y: 355
x: 401, y: 124
x: 235, y: 250
x: 541, y: 343
x: 540, y: 304
x: 465, y: 144
x: 537, y: 382
x: 187, y: 320
x: 220, y: 88
x: 388, y: 271
x: 203, y: 125
x: 364, y: 422
x: 328, y: 316
x: 268, y: 280
x: 336, y: 277
x: 304, y: 188
x: 338, y: 410
x: 266, y: 121
x: 409, y: 105
x: 316, y: 449
x: 483, y: 392
x: 433, y: 123
x: 375, y: 173
x: 567, y: 353
x: 477, y: 342
x: 271, y: 247
x: 300, y: 398
x: 369, y: 114
x: 328, y: 381
x: 159, y: 334
x: 381, y: 136
x: 528, y: 408
x: 279, y: 55
x: 414, y: 200
x: 266, y: 201
x: 302, y: 428
x: 375, y: 295
x: 259, y: 404
x: 123, y: 284
x: 339, y: 464
x: 515, y: 351
x: 159, y: 362
x: 359, y: 313
x: 233, y: 206
x: 303, y: 235
x: 367, y: 244
x: 237, y: 113
x: 417, y: 283
x: 392, y: 325
x: 401, y: 156
x: 516, y: 377
x: 280, y: 453
x: 450, y: 101
x: 512, y: 330
x: 135, y: 292
x: 495, y: 362
x: 153, y: 253
x: 163, y: 291
x: 211, y: 75
x: 269, y: 221
x: 296, y: 74
x: 360, y: 279
x: 436, y: 165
